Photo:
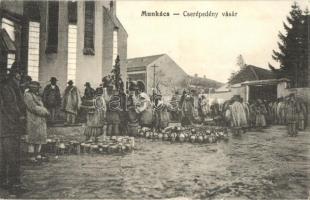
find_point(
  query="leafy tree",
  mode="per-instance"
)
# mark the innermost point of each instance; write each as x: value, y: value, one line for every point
x: 293, y: 54
x: 241, y: 62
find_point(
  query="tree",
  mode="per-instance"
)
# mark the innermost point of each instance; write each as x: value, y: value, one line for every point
x: 116, y: 75
x: 293, y: 54
x: 241, y: 62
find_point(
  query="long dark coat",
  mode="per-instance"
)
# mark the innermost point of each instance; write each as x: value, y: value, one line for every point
x: 51, y: 96
x: 12, y: 109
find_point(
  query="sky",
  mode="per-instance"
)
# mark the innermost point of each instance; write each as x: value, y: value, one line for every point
x: 207, y: 45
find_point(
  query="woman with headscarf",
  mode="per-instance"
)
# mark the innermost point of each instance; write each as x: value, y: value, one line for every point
x: 261, y: 112
x: 281, y: 111
x: 161, y: 116
x: 291, y: 115
x: 187, y: 111
x: 302, y: 114
x: 252, y: 116
x: 96, y: 115
x: 144, y: 110
x: 114, y: 110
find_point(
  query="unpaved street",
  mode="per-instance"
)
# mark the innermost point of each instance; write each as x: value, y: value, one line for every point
x: 254, y: 166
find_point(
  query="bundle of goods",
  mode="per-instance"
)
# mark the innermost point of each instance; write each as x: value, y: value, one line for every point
x: 201, y: 134
x: 108, y: 145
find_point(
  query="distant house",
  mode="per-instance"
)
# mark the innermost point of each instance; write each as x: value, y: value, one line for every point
x: 252, y: 83
x: 203, y: 84
x: 169, y: 76
x: 252, y: 73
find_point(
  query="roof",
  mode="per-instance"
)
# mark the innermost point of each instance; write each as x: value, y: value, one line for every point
x: 204, y: 82
x: 251, y: 73
x: 142, y: 61
x: 114, y: 20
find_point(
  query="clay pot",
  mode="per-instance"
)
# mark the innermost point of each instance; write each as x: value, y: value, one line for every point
x: 181, y: 137
x: 192, y: 138
x: 155, y: 135
x: 165, y: 137
x: 200, y: 138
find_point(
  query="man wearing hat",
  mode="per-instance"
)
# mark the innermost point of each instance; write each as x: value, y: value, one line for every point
x: 71, y: 102
x: 36, y: 119
x: 12, y: 119
x: 89, y: 92
x: 52, y: 98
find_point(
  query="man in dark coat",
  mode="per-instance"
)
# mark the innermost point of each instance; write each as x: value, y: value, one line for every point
x: 52, y: 98
x: 13, y: 126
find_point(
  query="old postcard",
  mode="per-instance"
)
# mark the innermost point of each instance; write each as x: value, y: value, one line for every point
x: 131, y: 99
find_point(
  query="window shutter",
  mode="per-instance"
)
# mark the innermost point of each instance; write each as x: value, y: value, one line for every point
x: 89, y: 28
x: 72, y: 12
x: 52, y: 38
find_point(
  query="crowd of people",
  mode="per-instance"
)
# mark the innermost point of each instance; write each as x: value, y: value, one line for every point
x: 257, y: 114
x: 112, y: 110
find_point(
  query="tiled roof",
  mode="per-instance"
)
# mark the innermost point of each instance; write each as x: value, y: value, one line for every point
x: 250, y: 73
x: 142, y: 61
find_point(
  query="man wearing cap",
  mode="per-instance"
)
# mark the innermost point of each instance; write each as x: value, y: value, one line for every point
x: 71, y: 102
x: 52, y: 98
x: 36, y: 119
x: 12, y: 119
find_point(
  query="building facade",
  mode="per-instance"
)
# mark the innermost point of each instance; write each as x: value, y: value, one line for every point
x: 70, y: 40
x: 157, y: 71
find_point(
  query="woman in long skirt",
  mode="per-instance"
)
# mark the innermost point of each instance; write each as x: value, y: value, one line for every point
x: 96, y: 116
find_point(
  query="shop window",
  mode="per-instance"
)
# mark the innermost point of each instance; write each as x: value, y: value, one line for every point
x: 115, y: 43
x: 72, y: 45
x: 89, y: 27
x: 33, y: 50
x: 52, y: 38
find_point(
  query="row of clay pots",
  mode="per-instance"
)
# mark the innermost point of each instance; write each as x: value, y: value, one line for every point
x: 107, y: 146
x: 182, y: 134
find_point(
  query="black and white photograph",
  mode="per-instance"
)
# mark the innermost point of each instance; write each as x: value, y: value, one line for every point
x: 154, y: 99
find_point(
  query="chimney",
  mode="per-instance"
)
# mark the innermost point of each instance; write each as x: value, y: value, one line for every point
x: 113, y: 7
x: 204, y: 76
x: 196, y: 75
